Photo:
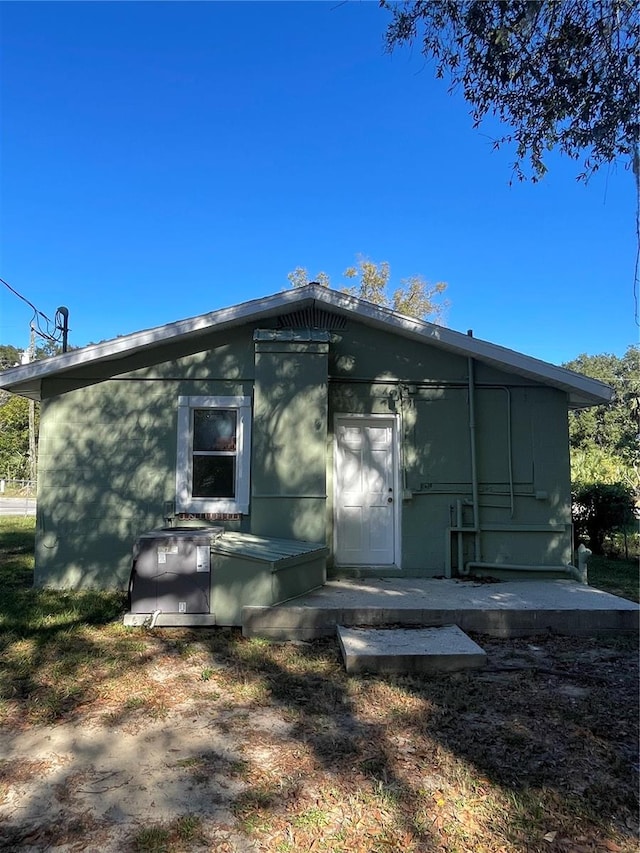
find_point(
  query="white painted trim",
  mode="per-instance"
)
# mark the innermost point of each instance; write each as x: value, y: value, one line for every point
x: 582, y: 390
x: 184, y: 456
x: 397, y: 491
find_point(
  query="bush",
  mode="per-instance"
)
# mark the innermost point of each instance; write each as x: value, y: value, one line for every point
x: 601, y: 510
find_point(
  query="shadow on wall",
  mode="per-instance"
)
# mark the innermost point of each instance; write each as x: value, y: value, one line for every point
x: 107, y: 463
x: 108, y: 452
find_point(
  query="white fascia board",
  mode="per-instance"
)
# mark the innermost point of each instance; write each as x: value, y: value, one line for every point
x: 582, y: 391
x: 25, y: 379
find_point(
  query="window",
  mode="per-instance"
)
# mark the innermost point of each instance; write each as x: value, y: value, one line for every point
x: 214, y: 450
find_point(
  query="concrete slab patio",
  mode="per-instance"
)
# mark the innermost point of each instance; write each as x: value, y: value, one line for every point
x: 504, y: 609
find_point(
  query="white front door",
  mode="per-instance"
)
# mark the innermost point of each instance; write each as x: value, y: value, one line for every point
x: 365, y: 490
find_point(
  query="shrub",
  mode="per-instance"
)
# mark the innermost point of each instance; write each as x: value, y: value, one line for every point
x: 600, y: 510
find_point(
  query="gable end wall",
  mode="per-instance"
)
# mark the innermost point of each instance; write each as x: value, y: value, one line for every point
x: 108, y: 451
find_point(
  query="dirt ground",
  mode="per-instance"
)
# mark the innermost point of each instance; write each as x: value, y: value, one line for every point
x: 81, y: 786
x: 216, y: 736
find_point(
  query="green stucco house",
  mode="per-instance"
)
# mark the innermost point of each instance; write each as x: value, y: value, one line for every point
x: 402, y: 447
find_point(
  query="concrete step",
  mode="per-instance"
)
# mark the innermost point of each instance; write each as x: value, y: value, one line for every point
x: 409, y: 650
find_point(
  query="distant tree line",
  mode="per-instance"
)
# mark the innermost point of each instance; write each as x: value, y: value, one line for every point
x: 14, y: 417
x: 605, y: 455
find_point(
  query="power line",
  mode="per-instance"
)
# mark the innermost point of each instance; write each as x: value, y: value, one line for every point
x: 36, y: 314
x: 30, y: 304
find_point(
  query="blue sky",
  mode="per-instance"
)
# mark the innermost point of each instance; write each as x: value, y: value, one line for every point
x: 159, y: 161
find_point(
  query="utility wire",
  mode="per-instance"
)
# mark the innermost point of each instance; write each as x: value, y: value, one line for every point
x: 20, y: 296
x: 36, y: 314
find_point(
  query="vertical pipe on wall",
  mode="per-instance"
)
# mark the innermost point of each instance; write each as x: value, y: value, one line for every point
x: 460, y: 535
x: 474, y: 465
x: 401, y: 442
x: 447, y: 553
x: 509, y: 449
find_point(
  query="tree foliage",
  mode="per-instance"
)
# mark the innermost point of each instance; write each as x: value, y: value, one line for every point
x: 15, y: 460
x: 561, y: 73
x: 600, y: 509
x: 14, y: 437
x: 605, y: 454
x: 10, y: 356
x: 611, y: 430
x: 415, y: 297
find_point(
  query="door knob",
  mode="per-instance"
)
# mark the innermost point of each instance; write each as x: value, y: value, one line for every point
x: 389, y: 500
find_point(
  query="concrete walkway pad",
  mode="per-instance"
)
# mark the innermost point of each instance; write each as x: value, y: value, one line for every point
x: 409, y: 650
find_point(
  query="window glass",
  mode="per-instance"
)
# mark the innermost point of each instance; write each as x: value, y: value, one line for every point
x: 214, y: 477
x: 214, y: 429
x: 213, y: 459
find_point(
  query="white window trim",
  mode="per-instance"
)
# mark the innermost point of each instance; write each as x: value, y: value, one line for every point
x: 185, y: 502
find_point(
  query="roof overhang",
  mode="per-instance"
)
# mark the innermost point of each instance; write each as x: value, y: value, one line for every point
x: 582, y: 391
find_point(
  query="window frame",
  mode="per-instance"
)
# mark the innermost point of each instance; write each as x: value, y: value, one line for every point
x: 185, y: 501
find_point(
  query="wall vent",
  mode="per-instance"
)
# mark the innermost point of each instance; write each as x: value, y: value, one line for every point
x: 312, y: 318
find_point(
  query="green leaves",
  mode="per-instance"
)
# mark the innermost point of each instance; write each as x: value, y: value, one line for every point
x: 14, y: 437
x: 613, y: 428
x: 561, y: 74
x: 605, y: 456
x: 415, y: 297
x: 9, y: 356
x: 600, y: 509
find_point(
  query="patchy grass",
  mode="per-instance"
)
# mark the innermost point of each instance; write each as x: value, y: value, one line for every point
x: 32, y: 612
x: 536, y: 754
x: 620, y: 577
x: 59, y: 649
x: 152, y: 839
x: 483, y: 761
x: 17, y: 532
x: 170, y: 837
